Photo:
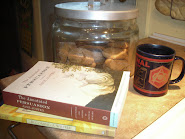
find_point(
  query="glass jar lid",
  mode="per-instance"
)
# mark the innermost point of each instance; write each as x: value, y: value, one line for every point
x: 107, y: 11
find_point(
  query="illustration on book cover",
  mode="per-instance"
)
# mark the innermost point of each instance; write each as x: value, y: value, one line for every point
x: 72, y: 84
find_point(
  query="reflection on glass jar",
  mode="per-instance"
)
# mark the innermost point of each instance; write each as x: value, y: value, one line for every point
x: 103, y: 44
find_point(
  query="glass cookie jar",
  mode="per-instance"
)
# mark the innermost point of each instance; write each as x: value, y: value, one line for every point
x: 90, y: 36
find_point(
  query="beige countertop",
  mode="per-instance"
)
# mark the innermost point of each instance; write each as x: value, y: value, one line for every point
x: 139, y: 111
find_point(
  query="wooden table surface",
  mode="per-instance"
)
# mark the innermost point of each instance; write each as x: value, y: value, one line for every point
x: 139, y: 111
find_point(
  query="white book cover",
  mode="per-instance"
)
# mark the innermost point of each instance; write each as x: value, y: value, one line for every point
x: 73, y: 88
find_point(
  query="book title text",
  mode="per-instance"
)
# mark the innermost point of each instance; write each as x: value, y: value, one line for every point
x: 32, y: 103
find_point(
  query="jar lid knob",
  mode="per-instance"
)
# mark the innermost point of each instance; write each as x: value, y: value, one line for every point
x: 91, y: 2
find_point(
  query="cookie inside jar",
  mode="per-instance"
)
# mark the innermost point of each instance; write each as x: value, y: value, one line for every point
x: 109, y: 55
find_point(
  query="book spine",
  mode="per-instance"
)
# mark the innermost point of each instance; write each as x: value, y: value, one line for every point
x: 57, y: 108
x: 76, y: 127
x: 6, y: 116
x: 92, y: 130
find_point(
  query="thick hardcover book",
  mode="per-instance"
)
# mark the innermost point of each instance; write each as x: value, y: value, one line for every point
x: 12, y: 113
x: 77, y: 92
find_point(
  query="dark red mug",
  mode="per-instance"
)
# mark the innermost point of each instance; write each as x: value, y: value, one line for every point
x: 153, y: 69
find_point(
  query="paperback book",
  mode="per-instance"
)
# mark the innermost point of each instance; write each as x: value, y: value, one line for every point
x: 72, y: 91
x: 12, y: 113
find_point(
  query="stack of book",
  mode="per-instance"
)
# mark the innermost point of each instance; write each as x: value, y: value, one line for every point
x: 69, y: 97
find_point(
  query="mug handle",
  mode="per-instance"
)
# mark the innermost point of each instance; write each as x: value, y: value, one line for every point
x: 178, y: 79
